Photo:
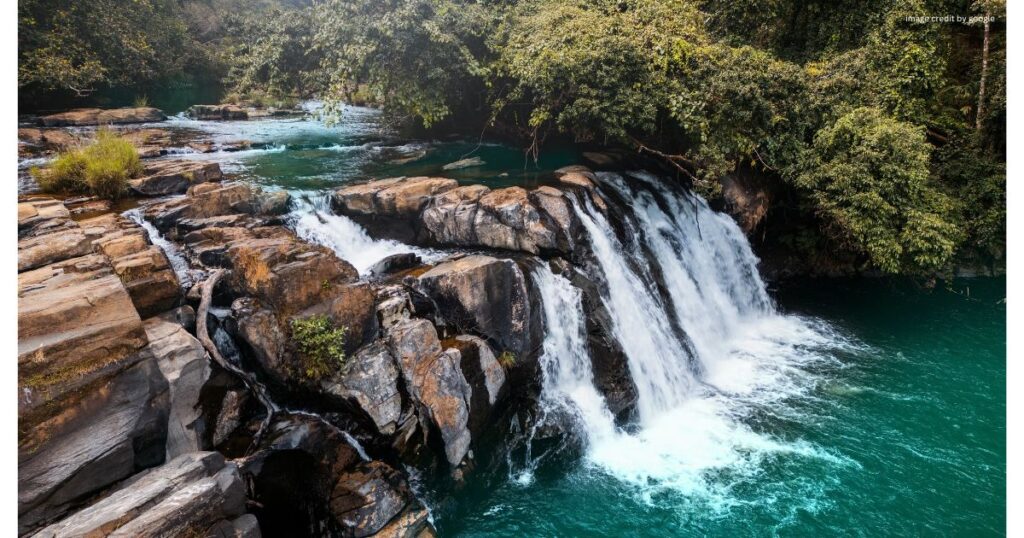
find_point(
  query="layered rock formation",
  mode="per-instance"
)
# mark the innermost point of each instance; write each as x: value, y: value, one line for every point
x: 98, y: 116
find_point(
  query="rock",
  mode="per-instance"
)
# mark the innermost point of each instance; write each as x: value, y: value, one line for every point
x: 393, y: 306
x: 97, y: 116
x: 267, y: 340
x: 508, y: 220
x: 174, y: 177
x: 747, y: 198
x: 193, y: 493
x: 414, y: 522
x: 370, y: 378
x: 273, y: 203
x: 89, y: 207
x: 213, y: 205
x: 229, y: 418
x: 368, y: 497
x: 485, y: 376
x: 94, y: 437
x: 47, y: 248
x: 395, y: 263
x: 600, y: 159
x: 293, y: 475
x: 142, y: 267
x: 485, y: 296
x: 396, y: 197
x: 76, y: 324
x: 435, y: 382
x: 464, y: 163
x: 40, y: 214
x: 185, y: 365
x: 47, y: 140
x: 217, y: 112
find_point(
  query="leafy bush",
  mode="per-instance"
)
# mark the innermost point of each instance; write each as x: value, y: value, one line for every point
x: 868, y: 177
x: 507, y: 359
x: 321, y: 346
x: 101, y: 168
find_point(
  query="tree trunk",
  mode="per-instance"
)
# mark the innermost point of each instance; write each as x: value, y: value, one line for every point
x: 984, y: 72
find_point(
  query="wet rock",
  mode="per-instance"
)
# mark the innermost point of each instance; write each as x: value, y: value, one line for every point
x: 215, y: 205
x: 185, y: 365
x: 90, y: 439
x: 174, y: 177
x: 484, y: 296
x: 273, y: 203
x: 413, y: 522
x: 194, y: 493
x: 47, y: 140
x: 217, y: 112
x: 395, y: 263
x: 98, y: 116
x: 370, y: 378
x: 267, y: 340
x: 395, y: 197
x: 434, y: 380
x: 370, y: 496
x: 464, y: 163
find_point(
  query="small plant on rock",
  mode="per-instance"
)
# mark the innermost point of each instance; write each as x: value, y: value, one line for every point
x: 507, y: 359
x: 321, y: 345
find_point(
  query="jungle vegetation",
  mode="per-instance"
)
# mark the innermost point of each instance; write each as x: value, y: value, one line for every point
x: 880, y: 129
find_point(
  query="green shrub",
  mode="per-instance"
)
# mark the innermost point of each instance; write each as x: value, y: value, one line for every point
x: 101, y: 168
x: 141, y: 101
x: 321, y: 346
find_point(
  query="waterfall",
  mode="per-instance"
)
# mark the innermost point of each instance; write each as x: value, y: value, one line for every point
x: 315, y: 222
x: 704, y: 344
x: 568, y: 385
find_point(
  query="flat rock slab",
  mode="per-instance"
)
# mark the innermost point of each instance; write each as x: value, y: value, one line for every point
x: 99, y: 116
x: 217, y: 112
x: 174, y: 177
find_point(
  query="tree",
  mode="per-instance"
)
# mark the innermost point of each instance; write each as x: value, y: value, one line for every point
x: 868, y: 177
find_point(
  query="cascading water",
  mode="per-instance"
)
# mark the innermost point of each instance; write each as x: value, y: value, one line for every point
x: 704, y: 344
x: 313, y: 221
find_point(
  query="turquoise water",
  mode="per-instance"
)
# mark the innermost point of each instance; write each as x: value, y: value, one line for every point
x: 888, y: 418
x: 901, y: 433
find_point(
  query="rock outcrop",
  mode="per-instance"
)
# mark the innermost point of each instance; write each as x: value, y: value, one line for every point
x: 161, y: 178
x: 184, y: 363
x: 484, y: 296
x: 438, y: 212
x: 198, y: 493
x: 98, y: 116
x: 435, y: 381
x: 217, y: 112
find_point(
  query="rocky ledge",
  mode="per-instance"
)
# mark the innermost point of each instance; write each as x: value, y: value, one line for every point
x: 439, y: 212
x: 156, y: 398
x: 99, y: 116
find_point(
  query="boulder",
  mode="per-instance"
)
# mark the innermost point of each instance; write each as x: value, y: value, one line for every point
x: 435, y: 382
x: 113, y: 427
x: 197, y: 493
x: 39, y: 214
x: 484, y: 296
x: 395, y: 263
x: 185, y: 365
x: 98, y: 116
x: 174, y: 177
x: 47, y: 140
x: 231, y: 204
x: 508, y: 220
x: 217, y: 112
x: 370, y: 496
x: 370, y: 379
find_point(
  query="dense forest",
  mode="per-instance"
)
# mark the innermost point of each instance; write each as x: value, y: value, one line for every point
x: 877, y: 127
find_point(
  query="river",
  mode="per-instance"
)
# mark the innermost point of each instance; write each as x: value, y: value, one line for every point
x: 819, y: 407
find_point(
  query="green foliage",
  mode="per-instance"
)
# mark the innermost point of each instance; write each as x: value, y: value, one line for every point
x: 507, y: 359
x: 81, y: 45
x: 101, y: 168
x: 868, y: 177
x: 320, y: 345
